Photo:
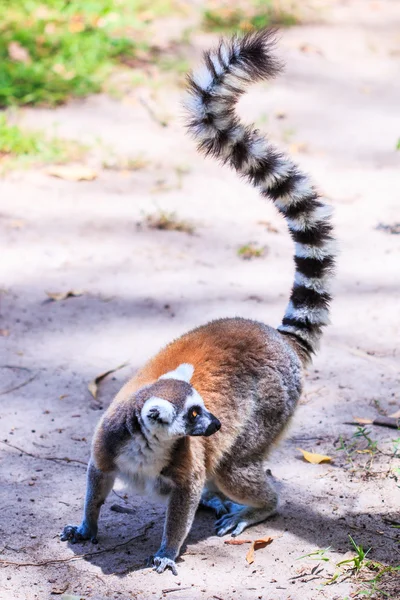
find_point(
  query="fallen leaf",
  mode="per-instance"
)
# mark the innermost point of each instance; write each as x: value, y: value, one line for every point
x: 257, y: 545
x: 93, y: 385
x: 362, y: 421
x: 314, y: 458
x: 4, y: 332
x: 72, y: 172
x: 18, y: 53
x: 57, y: 590
x: 310, y: 49
x: 57, y: 296
x: 16, y: 224
x: 234, y: 542
x: 395, y: 415
x: 269, y: 227
x: 76, y: 27
x: 298, y: 147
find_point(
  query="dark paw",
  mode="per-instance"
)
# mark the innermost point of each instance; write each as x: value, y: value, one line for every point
x: 75, y: 534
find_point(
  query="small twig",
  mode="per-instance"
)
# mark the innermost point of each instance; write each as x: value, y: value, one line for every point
x: 52, y: 458
x: 19, y: 385
x: 305, y: 439
x: 169, y: 590
x: 391, y: 521
x: 54, y: 561
x: 151, y: 112
x: 122, y: 509
x: 120, y: 497
x: 382, y: 421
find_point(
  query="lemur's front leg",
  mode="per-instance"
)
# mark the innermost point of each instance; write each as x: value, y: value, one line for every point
x: 182, y: 506
x: 98, y: 486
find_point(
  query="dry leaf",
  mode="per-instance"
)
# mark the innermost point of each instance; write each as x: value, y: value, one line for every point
x: 362, y: 421
x: 57, y: 590
x: 93, y: 385
x: 76, y: 27
x: 269, y: 227
x: 314, y: 458
x: 72, y: 172
x: 57, y: 296
x: 298, y: 147
x: 395, y: 415
x: 18, y: 53
x: 257, y: 545
x: 310, y: 49
x: 16, y: 224
x: 233, y: 542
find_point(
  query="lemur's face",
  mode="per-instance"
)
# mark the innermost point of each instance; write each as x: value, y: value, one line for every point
x: 175, y: 409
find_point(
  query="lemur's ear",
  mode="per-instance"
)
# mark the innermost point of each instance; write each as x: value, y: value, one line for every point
x: 158, y: 410
x: 183, y: 373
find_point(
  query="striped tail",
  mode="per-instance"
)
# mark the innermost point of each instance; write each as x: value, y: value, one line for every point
x: 213, y: 93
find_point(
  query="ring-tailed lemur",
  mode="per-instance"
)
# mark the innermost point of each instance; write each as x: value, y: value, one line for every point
x: 157, y: 431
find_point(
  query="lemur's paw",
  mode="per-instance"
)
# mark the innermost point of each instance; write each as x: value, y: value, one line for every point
x: 231, y: 521
x: 75, y: 533
x: 216, y: 504
x: 161, y: 563
x: 241, y: 517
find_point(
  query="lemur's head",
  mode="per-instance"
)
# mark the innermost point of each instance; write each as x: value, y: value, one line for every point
x: 172, y: 408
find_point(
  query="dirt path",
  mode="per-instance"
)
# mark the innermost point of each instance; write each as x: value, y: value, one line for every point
x: 336, y: 109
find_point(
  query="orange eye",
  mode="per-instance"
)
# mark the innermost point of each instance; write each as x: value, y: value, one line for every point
x: 194, y: 414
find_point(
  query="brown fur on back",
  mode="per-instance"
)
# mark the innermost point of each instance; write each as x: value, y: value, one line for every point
x: 232, y: 360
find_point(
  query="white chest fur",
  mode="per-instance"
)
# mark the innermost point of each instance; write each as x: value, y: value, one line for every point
x: 140, y: 464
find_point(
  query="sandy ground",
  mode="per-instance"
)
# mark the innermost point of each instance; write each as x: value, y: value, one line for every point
x: 339, y: 106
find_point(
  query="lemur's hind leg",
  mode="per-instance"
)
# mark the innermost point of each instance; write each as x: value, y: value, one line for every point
x: 214, y: 499
x: 98, y: 487
x: 247, y: 485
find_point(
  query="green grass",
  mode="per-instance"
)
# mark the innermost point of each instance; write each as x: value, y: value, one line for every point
x: 20, y: 148
x: 250, y: 251
x: 317, y: 555
x: 53, y: 49
x: 168, y: 221
x: 243, y: 15
x: 359, y: 560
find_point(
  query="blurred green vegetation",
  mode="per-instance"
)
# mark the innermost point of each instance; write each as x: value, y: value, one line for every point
x: 52, y: 49
x: 244, y: 15
x: 20, y: 148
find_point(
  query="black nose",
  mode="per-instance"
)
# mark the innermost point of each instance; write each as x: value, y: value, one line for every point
x: 214, y: 426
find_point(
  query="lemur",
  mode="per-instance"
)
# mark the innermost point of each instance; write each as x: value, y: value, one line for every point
x: 194, y: 425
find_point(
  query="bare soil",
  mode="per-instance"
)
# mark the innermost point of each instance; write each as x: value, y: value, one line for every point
x: 336, y: 109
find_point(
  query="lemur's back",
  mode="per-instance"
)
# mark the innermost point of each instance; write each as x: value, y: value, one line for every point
x: 247, y: 371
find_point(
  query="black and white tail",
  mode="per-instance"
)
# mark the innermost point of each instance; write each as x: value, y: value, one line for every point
x: 214, y: 90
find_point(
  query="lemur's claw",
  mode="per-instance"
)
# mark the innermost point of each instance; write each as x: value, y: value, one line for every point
x: 75, y: 534
x: 161, y: 564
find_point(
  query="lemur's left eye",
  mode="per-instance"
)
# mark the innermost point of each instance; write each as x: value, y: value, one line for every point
x: 194, y: 413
